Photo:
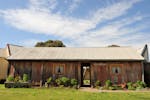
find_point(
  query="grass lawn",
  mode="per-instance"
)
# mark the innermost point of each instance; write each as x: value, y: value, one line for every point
x: 66, y: 94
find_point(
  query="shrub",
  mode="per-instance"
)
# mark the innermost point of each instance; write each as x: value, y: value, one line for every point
x: 108, y: 83
x: 58, y: 81
x: 130, y: 86
x: 65, y: 81
x: 17, y: 78
x: 74, y: 82
x: 111, y: 88
x: 10, y: 78
x: 143, y: 84
x: 117, y: 87
x: 140, y: 85
x: 97, y: 83
x: 25, y: 77
x: 49, y: 80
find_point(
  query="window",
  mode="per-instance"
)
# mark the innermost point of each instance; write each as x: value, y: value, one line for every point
x: 116, y: 70
x: 59, y: 68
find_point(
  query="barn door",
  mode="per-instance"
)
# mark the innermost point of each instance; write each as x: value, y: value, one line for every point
x: 85, y: 74
x: 36, y: 72
x: 101, y: 73
x: 116, y: 73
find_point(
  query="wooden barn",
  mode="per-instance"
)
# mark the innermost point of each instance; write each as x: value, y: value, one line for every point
x: 3, y: 65
x: 87, y: 65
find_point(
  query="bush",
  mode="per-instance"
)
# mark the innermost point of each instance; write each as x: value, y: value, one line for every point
x: 17, y: 79
x: 74, y: 82
x: 143, y: 84
x: 111, y: 88
x: 117, y: 87
x: 49, y: 80
x: 140, y: 84
x: 108, y: 83
x: 97, y: 83
x: 130, y: 86
x: 25, y: 77
x: 58, y: 81
x: 10, y: 78
x: 65, y: 81
x: 62, y: 81
x: 17, y: 82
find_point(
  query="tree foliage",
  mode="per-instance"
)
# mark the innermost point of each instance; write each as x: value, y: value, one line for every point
x: 50, y: 43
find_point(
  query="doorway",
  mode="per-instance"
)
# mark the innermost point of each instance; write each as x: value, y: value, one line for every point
x: 85, y: 75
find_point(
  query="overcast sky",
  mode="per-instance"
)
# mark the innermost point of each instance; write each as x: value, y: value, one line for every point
x: 78, y: 23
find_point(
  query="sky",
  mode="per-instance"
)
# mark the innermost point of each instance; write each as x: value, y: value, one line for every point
x: 78, y: 23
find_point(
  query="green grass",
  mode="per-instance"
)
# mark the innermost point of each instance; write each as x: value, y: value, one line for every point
x: 66, y: 94
x: 86, y: 82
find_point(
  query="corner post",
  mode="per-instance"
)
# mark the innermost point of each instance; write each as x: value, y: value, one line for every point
x: 142, y: 63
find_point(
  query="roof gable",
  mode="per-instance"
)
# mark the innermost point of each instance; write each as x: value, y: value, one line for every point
x: 145, y: 52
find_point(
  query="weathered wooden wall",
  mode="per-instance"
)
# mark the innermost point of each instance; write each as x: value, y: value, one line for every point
x: 41, y: 70
x: 129, y: 71
x: 3, y: 68
x: 147, y: 73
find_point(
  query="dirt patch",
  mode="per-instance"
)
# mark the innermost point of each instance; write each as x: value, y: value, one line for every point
x: 98, y: 90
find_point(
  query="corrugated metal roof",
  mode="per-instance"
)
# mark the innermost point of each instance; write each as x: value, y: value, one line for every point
x: 14, y: 48
x: 70, y: 53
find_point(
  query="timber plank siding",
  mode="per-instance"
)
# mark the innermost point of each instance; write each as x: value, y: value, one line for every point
x: 3, y: 68
x: 116, y: 71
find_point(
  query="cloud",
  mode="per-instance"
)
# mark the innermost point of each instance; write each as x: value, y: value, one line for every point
x: 117, y: 32
x: 40, y: 18
x: 43, y: 5
x: 46, y: 23
x: 113, y: 11
x: 74, y: 5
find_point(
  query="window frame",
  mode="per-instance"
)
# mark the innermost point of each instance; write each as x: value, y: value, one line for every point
x: 113, y: 68
x: 56, y: 66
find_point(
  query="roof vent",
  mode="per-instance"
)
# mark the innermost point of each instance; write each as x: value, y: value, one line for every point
x: 113, y: 45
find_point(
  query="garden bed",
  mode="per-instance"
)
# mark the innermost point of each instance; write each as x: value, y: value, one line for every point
x: 17, y: 85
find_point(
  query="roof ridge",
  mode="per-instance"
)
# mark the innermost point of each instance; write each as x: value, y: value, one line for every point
x: 81, y: 47
x: 15, y: 45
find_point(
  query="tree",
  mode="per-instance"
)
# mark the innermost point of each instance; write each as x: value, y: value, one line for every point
x: 50, y: 43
